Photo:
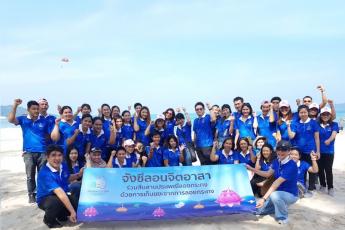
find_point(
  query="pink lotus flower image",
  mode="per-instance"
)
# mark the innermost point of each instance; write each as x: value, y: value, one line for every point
x: 158, y: 212
x: 228, y: 198
x: 90, y: 212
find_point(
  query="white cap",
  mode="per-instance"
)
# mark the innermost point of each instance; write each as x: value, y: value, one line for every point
x: 284, y: 103
x: 326, y: 110
x: 313, y: 105
x: 265, y: 102
x: 160, y: 116
x: 128, y: 142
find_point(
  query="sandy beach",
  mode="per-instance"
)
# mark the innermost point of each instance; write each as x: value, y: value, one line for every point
x: 319, y: 212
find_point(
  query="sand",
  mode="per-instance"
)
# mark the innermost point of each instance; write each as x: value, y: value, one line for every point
x: 319, y: 212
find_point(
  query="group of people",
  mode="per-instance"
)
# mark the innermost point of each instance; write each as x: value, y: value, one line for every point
x: 279, y: 146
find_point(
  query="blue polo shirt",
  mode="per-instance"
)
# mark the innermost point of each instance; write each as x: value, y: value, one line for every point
x: 119, y: 138
x: 169, y: 127
x: 284, y: 130
x: 237, y: 115
x: 265, y: 166
x: 101, y: 141
x: 66, y: 131
x: 184, y: 134
x: 304, y: 138
x: 302, y: 170
x: 157, y: 158
x: 173, y: 156
x: 267, y: 129
x: 222, y: 126
x: 132, y: 158
x: 128, y: 132
x: 245, y: 159
x: 223, y: 159
x: 106, y: 126
x: 35, y: 134
x: 325, y: 134
x: 80, y: 143
x: 140, y: 135
x: 116, y: 164
x: 50, y: 179
x: 51, y: 123
x: 289, y: 172
x: 162, y: 134
x: 245, y: 128
x: 203, y: 129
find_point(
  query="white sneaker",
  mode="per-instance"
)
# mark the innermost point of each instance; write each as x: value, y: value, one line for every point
x: 331, y: 192
x: 283, y: 222
x: 322, y: 189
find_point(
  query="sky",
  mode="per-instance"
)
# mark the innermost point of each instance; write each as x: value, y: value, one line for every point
x: 170, y: 53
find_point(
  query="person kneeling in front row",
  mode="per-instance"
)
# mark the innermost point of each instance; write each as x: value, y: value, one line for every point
x: 53, y: 192
x: 283, y: 192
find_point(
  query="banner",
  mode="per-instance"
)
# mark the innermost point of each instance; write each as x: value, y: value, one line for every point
x: 164, y: 192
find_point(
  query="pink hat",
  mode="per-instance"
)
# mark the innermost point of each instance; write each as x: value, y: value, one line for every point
x: 326, y: 110
x: 284, y: 103
x: 313, y: 105
x: 128, y: 142
x: 265, y: 102
x: 160, y: 116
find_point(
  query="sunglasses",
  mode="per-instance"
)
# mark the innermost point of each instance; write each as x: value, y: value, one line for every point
x: 198, y: 109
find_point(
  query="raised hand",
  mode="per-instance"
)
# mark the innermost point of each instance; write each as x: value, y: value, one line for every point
x: 18, y: 102
x: 330, y: 101
x: 79, y: 109
x: 321, y: 88
x: 182, y: 147
x: 57, y: 121
x: 113, y: 153
x: 76, y: 131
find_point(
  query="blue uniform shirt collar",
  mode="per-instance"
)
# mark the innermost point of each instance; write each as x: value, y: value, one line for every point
x: 300, y: 121
x: 81, y: 129
x: 118, y: 163
x: 249, y: 117
x: 230, y: 153
x: 284, y: 161
x: 53, y: 169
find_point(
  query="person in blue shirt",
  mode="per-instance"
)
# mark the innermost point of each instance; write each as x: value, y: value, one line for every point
x: 35, y: 134
x: 115, y: 111
x: 99, y: 139
x: 238, y: 103
x: 140, y: 151
x: 105, y: 114
x: 172, y: 155
x: 118, y: 121
x: 266, y: 123
x: 127, y: 128
x: 43, y: 110
x: 81, y: 138
x: 73, y: 167
x: 285, y: 116
x: 328, y: 131
x: 303, y: 168
x: 224, y: 155
x: 132, y: 157
x: 52, y: 189
x: 245, y: 152
x: 263, y: 162
x: 224, y: 125
x: 170, y: 122
x: 118, y: 159
x: 157, y: 126
x: 137, y: 108
x: 203, y: 133
x: 82, y: 110
x: 140, y: 124
x: 246, y: 124
x: 154, y: 152
x: 275, y: 101
x: 258, y: 143
x: 305, y: 135
x: 183, y: 132
x: 283, y: 192
x: 64, y: 128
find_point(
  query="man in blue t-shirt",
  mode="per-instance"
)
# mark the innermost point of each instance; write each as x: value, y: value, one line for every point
x: 203, y: 133
x: 53, y: 189
x: 35, y: 134
x: 283, y: 192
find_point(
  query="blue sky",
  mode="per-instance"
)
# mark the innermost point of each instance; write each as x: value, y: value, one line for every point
x: 170, y: 53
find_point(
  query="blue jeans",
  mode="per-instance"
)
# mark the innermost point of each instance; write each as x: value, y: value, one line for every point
x: 278, y: 203
x: 33, y: 162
